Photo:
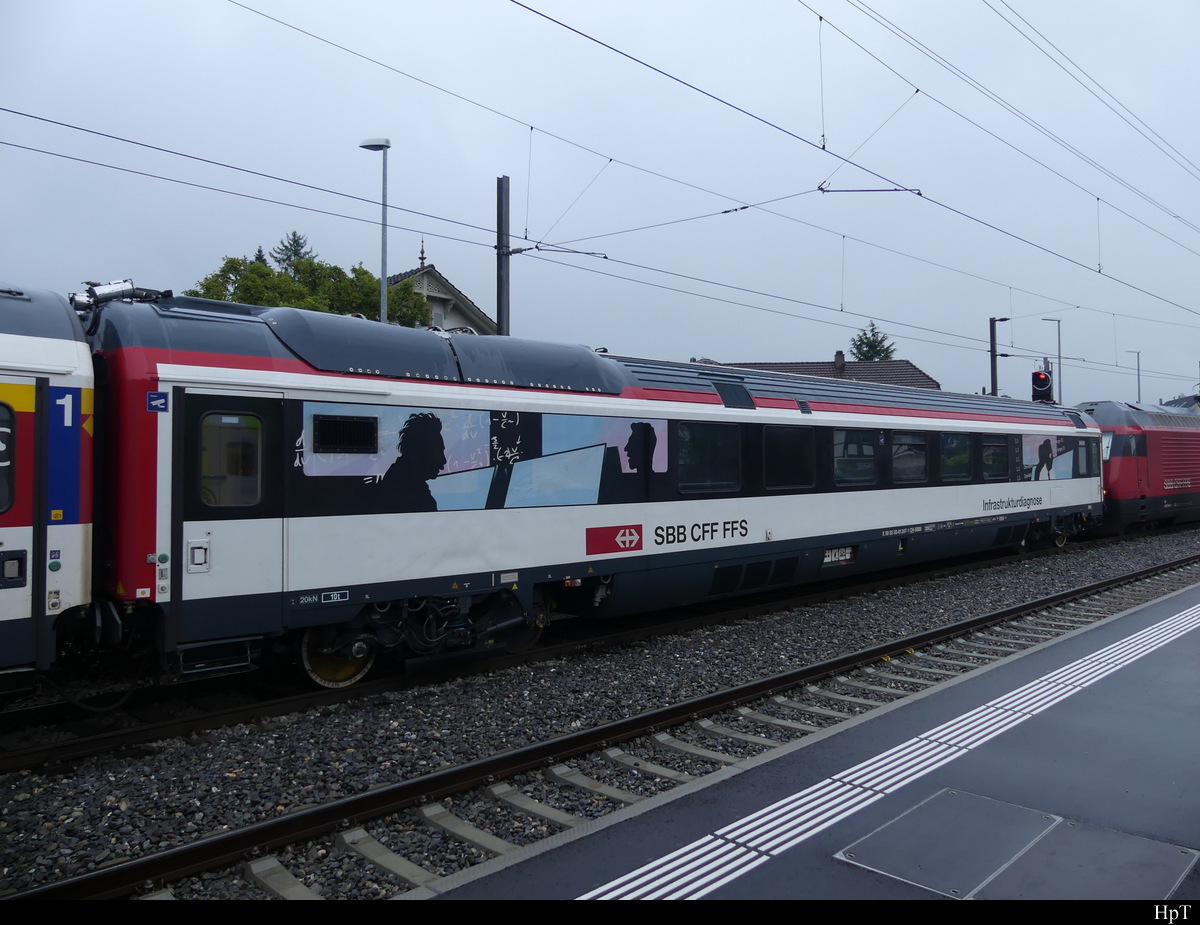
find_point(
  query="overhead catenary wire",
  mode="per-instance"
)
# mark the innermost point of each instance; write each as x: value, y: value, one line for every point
x: 1013, y: 110
x: 1091, y: 85
x: 693, y: 185
x: 644, y: 267
x: 983, y: 344
x: 487, y: 230
x: 630, y: 264
x: 531, y: 129
x: 576, y: 199
x: 240, y: 195
x: 1008, y: 144
x: 925, y: 197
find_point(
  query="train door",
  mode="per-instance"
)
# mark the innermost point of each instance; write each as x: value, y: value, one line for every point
x: 228, y: 535
x: 1138, y: 445
x: 45, y: 511
x: 22, y: 487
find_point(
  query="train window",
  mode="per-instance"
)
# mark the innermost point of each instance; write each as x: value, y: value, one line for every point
x: 908, y: 457
x: 334, y: 433
x: 854, y: 457
x: 710, y: 456
x: 995, y: 457
x: 1079, y: 455
x: 1087, y: 458
x: 956, y: 457
x: 230, y: 451
x: 1128, y: 445
x: 8, y: 457
x: 789, y: 457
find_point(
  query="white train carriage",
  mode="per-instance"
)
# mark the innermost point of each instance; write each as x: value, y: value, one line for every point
x: 362, y: 486
x: 275, y: 475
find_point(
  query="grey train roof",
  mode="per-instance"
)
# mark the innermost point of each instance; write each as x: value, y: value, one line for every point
x: 37, y: 313
x: 1132, y: 414
x: 342, y: 344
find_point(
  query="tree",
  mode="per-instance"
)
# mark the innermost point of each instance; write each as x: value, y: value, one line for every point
x: 306, y: 282
x: 290, y: 249
x: 253, y: 283
x: 871, y: 344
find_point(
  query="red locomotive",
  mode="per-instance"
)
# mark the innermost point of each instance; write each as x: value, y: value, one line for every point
x: 1151, y: 462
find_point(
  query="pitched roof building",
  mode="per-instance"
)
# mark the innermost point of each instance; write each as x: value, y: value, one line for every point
x: 884, y: 372
x: 449, y: 307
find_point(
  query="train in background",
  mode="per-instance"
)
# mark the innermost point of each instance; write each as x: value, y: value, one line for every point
x: 185, y: 483
x: 1151, y: 462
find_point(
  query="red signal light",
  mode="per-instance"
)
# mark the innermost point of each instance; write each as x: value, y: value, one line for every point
x: 1043, y: 387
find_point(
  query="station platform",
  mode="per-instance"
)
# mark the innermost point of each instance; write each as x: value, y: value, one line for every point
x: 1070, y: 771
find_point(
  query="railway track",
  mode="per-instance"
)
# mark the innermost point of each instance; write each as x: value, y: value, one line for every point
x: 397, y: 837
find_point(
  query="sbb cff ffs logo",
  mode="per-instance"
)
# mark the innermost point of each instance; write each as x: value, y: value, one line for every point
x: 604, y: 540
x: 700, y: 532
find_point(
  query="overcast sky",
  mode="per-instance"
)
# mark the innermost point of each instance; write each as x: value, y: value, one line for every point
x: 982, y: 158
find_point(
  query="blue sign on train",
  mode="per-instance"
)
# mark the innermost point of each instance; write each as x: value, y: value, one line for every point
x: 64, y: 467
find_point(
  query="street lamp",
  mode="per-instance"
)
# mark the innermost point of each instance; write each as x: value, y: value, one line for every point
x: 1139, y: 368
x: 992, y: 328
x: 381, y: 144
x: 1058, y: 371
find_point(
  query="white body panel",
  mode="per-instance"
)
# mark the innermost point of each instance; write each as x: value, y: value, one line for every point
x: 247, y: 557
x: 243, y: 557
x: 69, y: 586
x: 16, y: 601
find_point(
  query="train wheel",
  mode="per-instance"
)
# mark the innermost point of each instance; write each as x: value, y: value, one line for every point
x: 1060, y: 539
x: 333, y: 669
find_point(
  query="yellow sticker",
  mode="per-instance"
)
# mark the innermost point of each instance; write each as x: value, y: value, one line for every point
x: 56, y: 515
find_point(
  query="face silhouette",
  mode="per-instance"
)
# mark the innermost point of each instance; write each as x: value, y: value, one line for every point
x: 433, y: 458
x: 640, y: 446
x: 634, y: 449
x: 422, y: 449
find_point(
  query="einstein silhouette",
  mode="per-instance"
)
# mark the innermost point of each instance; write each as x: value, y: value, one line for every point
x: 422, y: 457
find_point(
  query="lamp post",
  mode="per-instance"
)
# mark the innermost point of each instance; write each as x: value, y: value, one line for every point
x: 992, y: 328
x: 1058, y: 371
x: 1139, y: 369
x: 381, y: 144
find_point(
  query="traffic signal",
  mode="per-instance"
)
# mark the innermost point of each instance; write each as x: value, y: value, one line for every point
x: 1043, y: 387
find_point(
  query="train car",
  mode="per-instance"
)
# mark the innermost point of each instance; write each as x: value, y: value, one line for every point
x: 273, y: 476
x: 46, y: 426
x: 1151, y: 462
